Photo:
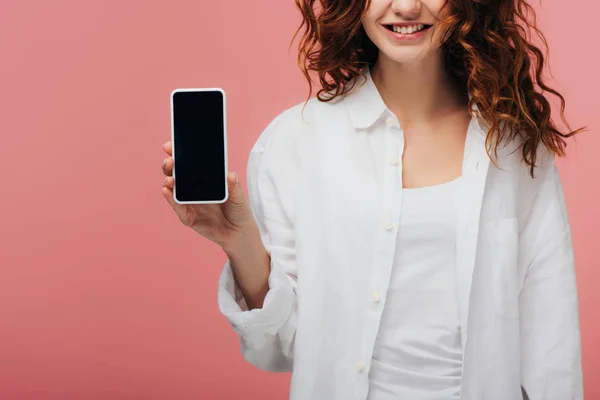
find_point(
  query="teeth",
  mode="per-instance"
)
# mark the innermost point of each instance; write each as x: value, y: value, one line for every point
x: 408, y: 28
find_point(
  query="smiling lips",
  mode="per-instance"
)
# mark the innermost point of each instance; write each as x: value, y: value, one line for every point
x: 406, y: 28
x: 406, y: 31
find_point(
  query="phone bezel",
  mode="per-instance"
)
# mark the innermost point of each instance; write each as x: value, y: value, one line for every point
x: 214, y: 89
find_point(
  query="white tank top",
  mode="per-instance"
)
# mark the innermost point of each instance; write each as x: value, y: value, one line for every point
x: 418, y: 352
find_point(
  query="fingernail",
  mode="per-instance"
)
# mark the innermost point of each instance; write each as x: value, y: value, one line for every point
x: 165, y: 162
x: 237, y: 178
x: 165, y: 182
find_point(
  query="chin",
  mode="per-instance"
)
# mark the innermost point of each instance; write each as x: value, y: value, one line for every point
x: 406, y: 55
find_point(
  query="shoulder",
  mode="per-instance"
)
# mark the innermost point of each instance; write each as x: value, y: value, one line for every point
x: 294, y: 127
x: 510, y: 159
x: 543, y: 168
x: 545, y: 184
x: 514, y: 177
x: 528, y: 191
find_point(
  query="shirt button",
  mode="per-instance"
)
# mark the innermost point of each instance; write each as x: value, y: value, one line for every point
x: 388, y: 226
x: 390, y: 122
x: 394, y: 161
x: 376, y: 297
x: 360, y: 366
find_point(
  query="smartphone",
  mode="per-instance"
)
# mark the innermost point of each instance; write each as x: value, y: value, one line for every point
x: 199, y: 139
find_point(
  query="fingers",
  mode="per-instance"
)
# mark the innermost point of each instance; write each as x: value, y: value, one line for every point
x: 167, y: 191
x: 182, y: 212
x: 232, y: 180
x: 237, y: 196
x: 168, y: 195
x: 168, y: 148
x: 167, y: 166
x: 169, y: 182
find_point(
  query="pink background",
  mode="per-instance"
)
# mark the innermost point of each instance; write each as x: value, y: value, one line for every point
x: 103, y: 294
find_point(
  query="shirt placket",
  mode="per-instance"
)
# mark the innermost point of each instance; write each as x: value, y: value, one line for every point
x: 385, y: 252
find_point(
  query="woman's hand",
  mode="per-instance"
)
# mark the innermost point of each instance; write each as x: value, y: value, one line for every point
x: 220, y: 223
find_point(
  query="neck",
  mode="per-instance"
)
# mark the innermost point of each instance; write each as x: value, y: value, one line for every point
x: 416, y: 92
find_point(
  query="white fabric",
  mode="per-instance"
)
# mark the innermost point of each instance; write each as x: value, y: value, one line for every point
x: 417, y: 352
x: 325, y: 186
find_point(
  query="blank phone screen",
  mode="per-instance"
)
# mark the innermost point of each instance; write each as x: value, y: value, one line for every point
x: 199, y: 145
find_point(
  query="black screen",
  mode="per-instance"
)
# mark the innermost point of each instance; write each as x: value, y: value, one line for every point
x: 199, y: 145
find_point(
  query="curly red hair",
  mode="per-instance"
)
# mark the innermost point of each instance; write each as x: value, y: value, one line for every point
x: 487, y: 49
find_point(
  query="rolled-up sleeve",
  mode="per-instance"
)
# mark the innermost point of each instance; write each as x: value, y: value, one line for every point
x: 267, y: 335
x: 550, y: 333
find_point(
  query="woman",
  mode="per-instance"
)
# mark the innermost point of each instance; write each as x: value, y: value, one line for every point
x: 405, y: 233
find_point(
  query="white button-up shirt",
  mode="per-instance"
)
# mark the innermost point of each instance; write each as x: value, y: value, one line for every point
x: 325, y: 185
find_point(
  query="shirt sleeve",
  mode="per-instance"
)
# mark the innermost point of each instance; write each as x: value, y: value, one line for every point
x: 267, y: 335
x: 550, y: 333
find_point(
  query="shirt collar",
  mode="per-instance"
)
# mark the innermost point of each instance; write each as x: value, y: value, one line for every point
x: 364, y: 102
x: 482, y: 126
x: 366, y: 106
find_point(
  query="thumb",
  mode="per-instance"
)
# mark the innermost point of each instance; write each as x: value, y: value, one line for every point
x: 237, y: 195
